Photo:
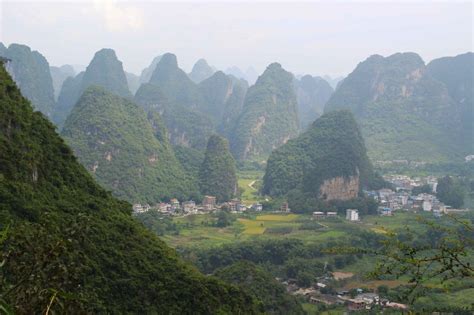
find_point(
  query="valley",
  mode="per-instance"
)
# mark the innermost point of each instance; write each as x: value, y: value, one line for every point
x: 236, y: 158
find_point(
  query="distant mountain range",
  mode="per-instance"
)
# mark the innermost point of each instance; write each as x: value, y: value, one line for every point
x: 408, y: 110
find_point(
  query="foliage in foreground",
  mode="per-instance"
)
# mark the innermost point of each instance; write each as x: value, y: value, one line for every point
x: 71, y: 246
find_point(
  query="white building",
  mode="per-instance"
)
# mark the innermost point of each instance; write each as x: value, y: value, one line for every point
x: 352, y: 214
x: 138, y: 208
x: 427, y: 205
x: 189, y: 206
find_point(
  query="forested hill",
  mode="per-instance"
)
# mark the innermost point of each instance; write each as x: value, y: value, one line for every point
x: 70, y: 247
x: 328, y: 161
x: 269, y: 115
x: 217, y: 175
x: 114, y: 140
x: 457, y: 73
x: 30, y: 70
x: 104, y: 70
x: 404, y: 112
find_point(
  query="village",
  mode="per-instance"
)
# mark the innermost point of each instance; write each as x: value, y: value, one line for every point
x: 356, y: 299
x: 400, y: 197
x: 209, y: 204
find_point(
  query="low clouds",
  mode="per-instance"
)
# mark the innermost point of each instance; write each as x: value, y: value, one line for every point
x: 119, y: 16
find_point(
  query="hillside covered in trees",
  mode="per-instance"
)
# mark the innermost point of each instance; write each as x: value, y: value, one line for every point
x: 327, y: 162
x: 269, y: 115
x: 104, y: 70
x: 404, y: 111
x: 217, y: 175
x: 30, y: 70
x: 115, y: 140
x: 68, y: 246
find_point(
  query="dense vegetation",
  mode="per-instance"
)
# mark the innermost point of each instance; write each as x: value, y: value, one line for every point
x: 457, y: 74
x: 71, y: 247
x: 30, y: 70
x: 312, y: 93
x: 104, y: 70
x: 450, y: 192
x: 269, y: 115
x: 261, y: 284
x: 217, y: 176
x: 332, y: 147
x: 126, y: 151
x: 201, y: 71
x: 403, y: 111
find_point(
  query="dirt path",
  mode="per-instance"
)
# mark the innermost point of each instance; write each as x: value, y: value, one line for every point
x: 251, y: 185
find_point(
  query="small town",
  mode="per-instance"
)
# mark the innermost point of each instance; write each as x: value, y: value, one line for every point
x: 401, y: 197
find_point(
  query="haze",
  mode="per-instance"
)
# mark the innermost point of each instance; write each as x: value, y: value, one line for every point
x: 316, y: 38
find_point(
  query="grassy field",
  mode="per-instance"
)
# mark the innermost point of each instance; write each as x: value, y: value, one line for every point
x: 248, y: 184
x: 196, y: 230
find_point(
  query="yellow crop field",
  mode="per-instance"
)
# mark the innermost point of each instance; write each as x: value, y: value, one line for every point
x: 252, y: 227
x: 278, y: 217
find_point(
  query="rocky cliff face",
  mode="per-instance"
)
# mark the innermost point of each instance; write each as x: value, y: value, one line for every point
x: 340, y: 188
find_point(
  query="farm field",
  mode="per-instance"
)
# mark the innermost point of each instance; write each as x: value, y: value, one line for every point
x: 196, y: 230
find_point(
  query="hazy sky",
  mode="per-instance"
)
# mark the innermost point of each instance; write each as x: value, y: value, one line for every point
x: 325, y: 37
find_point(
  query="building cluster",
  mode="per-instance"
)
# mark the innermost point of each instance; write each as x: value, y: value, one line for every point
x: 401, y: 197
x: 317, y: 294
x: 407, y: 183
x: 209, y: 204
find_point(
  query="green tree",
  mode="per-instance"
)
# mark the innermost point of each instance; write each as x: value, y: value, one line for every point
x: 74, y: 248
x: 450, y: 192
x: 217, y: 176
